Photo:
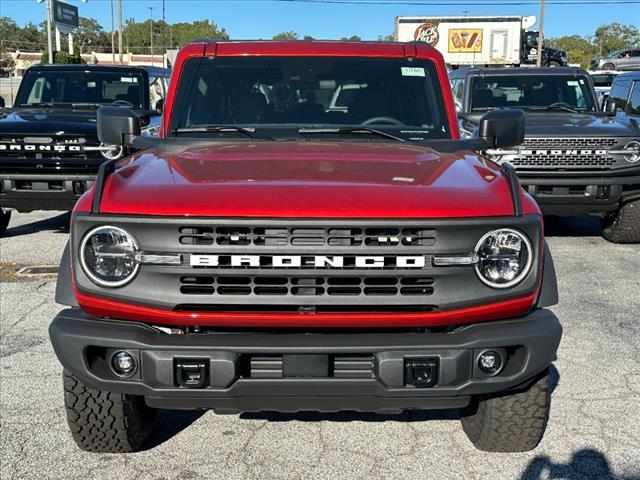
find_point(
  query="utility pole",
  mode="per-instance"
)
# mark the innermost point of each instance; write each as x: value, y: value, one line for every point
x: 113, y: 38
x: 49, y: 40
x: 164, y: 33
x: 540, y: 35
x: 151, y: 31
x: 120, y: 31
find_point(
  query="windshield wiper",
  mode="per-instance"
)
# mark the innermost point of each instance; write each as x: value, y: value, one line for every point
x: 554, y: 107
x: 249, y: 132
x: 37, y: 104
x: 349, y: 130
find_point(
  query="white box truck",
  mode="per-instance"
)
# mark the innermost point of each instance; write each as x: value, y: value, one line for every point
x: 480, y: 40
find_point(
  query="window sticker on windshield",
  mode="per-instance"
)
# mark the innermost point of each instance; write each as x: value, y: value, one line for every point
x: 572, y: 83
x: 129, y: 79
x: 412, y: 71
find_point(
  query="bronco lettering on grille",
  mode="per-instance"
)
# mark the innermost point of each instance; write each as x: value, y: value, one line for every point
x: 306, y: 261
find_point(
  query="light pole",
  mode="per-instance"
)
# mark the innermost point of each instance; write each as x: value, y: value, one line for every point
x: 49, y: 41
x: 113, y: 38
x: 120, y: 31
x: 151, y: 31
x: 540, y: 35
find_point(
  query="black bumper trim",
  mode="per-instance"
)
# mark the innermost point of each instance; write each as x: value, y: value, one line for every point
x: 73, y: 333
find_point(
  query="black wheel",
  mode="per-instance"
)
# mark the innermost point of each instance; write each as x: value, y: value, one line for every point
x: 512, y: 422
x: 608, y: 66
x: 623, y: 226
x: 553, y: 63
x: 5, y: 216
x: 105, y: 422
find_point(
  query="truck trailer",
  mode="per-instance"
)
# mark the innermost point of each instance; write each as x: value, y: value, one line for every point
x: 480, y: 40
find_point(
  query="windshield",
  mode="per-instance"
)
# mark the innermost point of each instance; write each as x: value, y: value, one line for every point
x: 531, y: 92
x: 602, y: 79
x: 398, y: 96
x: 72, y: 88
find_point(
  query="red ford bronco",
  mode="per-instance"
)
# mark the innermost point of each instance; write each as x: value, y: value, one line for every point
x: 309, y: 232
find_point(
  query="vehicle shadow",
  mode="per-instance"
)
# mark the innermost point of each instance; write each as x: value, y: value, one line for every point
x: 58, y: 224
x: 168, y: 424
x: 585, y: 226
x: 584, y: 464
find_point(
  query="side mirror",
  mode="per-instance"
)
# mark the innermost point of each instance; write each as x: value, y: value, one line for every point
x: 160, y: 105
x: 2, y: 104
x: 502, y: 128
x: 610, y: 106
x: 117, y: 125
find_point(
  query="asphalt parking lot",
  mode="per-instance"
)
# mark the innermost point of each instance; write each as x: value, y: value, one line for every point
x: 593, y: 429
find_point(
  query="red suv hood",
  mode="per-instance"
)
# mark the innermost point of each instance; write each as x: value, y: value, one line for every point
x: 306, y: 180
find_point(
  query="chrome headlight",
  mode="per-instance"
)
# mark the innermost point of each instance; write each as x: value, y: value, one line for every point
x: 505, y: 257
x: 113, y: 154
x: 107, y: 256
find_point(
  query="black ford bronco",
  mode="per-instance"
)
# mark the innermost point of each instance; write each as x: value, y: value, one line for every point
x: 575, y: 159
x: 49, y: 148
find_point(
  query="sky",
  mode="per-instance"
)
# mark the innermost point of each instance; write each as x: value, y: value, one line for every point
x: 249, y: 19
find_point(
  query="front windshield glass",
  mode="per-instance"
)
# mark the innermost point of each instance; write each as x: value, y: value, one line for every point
x: 531, y: 92
x: 73, y: 88
x: 398, y: 96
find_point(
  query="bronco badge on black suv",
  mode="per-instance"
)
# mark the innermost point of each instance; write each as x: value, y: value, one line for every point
x: 269, y: 252
x: 49, y: 148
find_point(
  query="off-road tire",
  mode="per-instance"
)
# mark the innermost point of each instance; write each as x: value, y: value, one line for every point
x: 623, y: 226
x: 5, y: 216
x: 105, y: 422
x: 608, y: 66
x: 513, y: 422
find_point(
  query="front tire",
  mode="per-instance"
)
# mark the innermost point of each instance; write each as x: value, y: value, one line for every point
x: 5, y: 216
x: 608, y: 66
x: 512, y: 422
x: 623, y: 226
x: 105, y: 422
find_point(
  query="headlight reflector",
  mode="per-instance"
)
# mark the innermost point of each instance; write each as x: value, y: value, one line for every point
x: 505, y: 257
x: 107, y: 256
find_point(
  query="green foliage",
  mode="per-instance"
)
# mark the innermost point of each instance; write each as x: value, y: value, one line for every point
x: 352, y: 38
x: 63, y: 58
x: 6, y: 61
x: 137, y: 35
x: 386, y: 38
x: 286, y: 36
x: 606, y: 39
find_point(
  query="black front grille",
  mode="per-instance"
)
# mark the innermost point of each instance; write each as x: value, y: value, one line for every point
x: 336, y: 286
x: 340, y: 366
x: 558, y: 153
x: 266, y: 236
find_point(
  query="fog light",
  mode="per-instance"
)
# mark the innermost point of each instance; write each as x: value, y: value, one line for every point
x: 123, y: 364
x: 490, y: 362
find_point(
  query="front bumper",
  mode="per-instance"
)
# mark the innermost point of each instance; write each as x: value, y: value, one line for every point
x: 28, y: 192
x: 364, y: 371
x: 580, y: 195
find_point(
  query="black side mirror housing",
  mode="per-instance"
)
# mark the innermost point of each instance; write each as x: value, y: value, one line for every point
x: 118, y: 125
x: 610, y: 106
x: 502, y: 128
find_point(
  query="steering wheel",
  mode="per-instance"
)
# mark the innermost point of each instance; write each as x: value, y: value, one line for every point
x: 560, y: 104
x: 376, y: 120
x: 123, y: 103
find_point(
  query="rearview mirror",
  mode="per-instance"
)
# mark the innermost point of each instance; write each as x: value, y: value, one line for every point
x: 610, y: 106
x: 502, y: 128
x: 117, y: 125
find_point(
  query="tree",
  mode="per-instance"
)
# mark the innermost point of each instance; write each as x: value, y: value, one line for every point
x: 615, y: 36
x: 6, y: 60
x: 91, y: 36
x: 579, y: 50
x: 286, y: 36
x: 352, y: 38
x: 386, y: 38
x: 64, y: 57
x: 308, y: 37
